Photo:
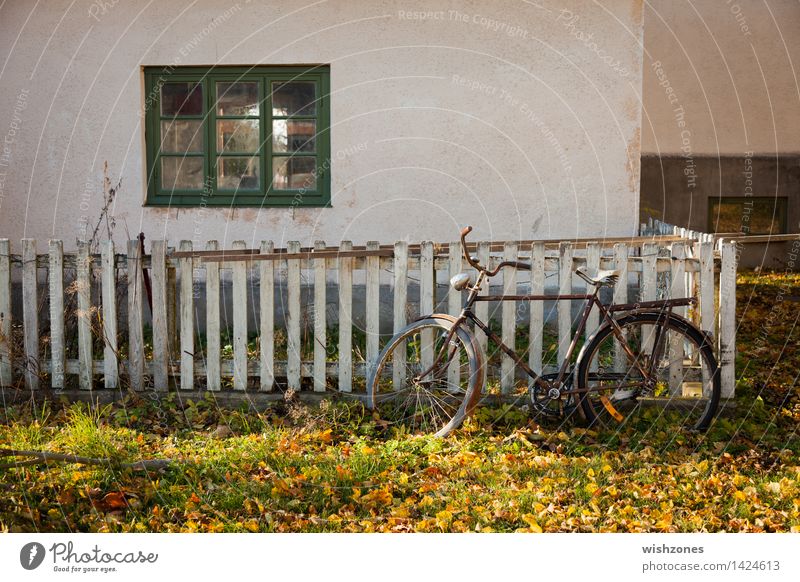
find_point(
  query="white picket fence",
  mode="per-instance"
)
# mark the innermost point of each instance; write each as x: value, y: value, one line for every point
x: 35, y: 355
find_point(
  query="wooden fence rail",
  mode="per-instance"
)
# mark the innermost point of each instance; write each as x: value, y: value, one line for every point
x: 86, y: 320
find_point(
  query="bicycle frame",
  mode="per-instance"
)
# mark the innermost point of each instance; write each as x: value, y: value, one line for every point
x: 591, y: 299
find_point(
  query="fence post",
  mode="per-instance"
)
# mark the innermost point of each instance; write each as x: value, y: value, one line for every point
x: 6, y: 371
x: 84, y: 286
x: 345, y: 275
x: 56, y: 278
x: 109, y: 298
x: 213, y: 348
x: 239, y: 298
x: 135, y: 316
x: 158, y: 274
x: 564, y: 308
x: 293, y: 347
x: 509, y: 315
x: 320, y: 321
x: 727, y: 319
x: 536, y: 324
x: 400, y: 299
x: 30, y: 313
x: 266, y: 287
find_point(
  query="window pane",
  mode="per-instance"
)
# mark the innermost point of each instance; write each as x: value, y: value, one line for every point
x: 179, y: 173
x: 293, y: 98
x: 748, y: 215
x: 293, y: 136
x: 294, y: 173
x: 237, y: 98
x: 237, y: 173
x: 181, y: 99
x: 237, y: 135
x: 181, y: 136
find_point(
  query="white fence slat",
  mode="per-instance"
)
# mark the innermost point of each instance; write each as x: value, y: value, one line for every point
x: 454, y: 304
x: 6, y: 370
x: 293, y: 346
x: 30, y: 313
x: 400, y: 299
x: 108, y: 274
x: 186, y: 266
x: 620, y: 296
x: 266, y: 284
x: 158, y: 278
x: 677, y: 290
x: 346, y: 318
x: 593, y: 265
x: 239, y: 298
x: 509, y: 317
x: 564, y: 308
x: 482, y: 307
x: 373, y: 306
x: 135, y: 316
x: 84, y: 290
x: 536, y: 324
x: 648, y: 288
x: 213, y: 326
x: 427, y: 294
x: 56, y: 284
x: 727, y: 319
x: 707, y: 286
x: 320, y: 321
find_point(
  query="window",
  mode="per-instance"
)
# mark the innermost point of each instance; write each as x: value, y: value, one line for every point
x: 241, y: 136
x: 747, y: 215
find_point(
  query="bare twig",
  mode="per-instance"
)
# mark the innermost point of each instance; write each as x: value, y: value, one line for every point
x: 43, y: 457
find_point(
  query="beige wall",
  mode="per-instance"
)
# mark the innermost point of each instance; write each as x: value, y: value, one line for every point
x: 520, y: 118
x: 732, y: 68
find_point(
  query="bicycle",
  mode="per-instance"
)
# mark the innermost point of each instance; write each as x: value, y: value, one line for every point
x: 643, y: 361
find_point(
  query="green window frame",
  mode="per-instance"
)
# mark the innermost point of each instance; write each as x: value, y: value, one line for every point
x: 747, y: 214
x: 238, y: 136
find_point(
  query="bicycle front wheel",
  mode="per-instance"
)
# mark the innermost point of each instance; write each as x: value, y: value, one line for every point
x: 427, y: 380
x: 629, y: 380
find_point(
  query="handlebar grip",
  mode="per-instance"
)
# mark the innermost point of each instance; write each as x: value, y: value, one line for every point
x: 465, y: 231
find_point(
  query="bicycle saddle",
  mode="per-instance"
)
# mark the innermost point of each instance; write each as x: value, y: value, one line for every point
x: 601, y: 279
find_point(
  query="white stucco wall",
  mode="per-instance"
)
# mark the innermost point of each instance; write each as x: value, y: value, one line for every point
x: 520, y: 118
x: 728, y: 69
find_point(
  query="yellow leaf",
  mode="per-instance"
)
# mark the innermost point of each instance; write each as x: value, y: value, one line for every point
x: 530, y: 519
x: 739, y: 496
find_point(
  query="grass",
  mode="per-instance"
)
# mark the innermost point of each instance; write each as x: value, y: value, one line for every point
x: 332, y: 467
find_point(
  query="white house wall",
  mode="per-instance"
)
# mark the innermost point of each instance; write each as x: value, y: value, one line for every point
x: 520, y: 118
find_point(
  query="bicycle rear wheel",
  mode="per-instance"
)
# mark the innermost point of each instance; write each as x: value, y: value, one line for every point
x: 683, y: 391
x: 411, y: 394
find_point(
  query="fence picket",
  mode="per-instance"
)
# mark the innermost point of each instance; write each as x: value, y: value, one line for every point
x: 564, y: 307
x: 6, y: 370
x: 620, y: 296
x: 30, y: 313
x: 84, y: 290
x: 400, y: 299
x: 536, y: 329
x: 482, y: 307
x: 320, y: 323
x: 239, y: 297
x: 593, y: 265
x: 454, y: 304
x: 677, y: 290
x: 186, y: 266
x: 56, y: 284
x: 293, y: 346
x: 135, y: 316
x: 509, y: 317
x: 727, y: 319
x: 373, y: 305
x: 648, y: 288
x: 346, y: 318
x: 266, y: 285
x: 707, y: 286
x: 427, y: 294
x: 109, y: 298
x: 158, y: 278
x: 213, y: 347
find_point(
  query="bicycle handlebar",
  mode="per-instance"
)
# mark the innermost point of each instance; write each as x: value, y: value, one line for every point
x: 476, y: 264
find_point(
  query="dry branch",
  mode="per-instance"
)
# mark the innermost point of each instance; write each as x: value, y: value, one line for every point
x: 43, y: 457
